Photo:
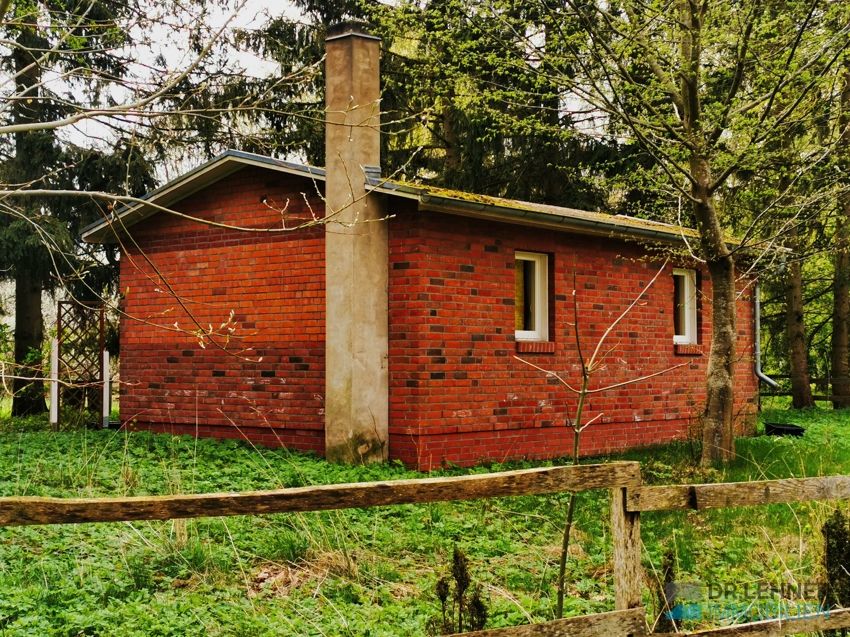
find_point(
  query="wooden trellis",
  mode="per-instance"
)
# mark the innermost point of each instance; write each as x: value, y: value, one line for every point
x: 79, y: 375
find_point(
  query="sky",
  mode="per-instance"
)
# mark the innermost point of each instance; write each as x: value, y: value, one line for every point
x: 246, y: 14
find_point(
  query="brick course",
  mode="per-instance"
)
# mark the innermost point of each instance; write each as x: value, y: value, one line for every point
x: 262, y: 376
x: 457, y: 394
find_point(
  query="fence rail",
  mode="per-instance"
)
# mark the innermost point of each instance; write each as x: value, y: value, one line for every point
x: 826, y: 620
x: 820, y: 383
x: 22, y: 511
x: 632, y: 623
x: 628, y: 499
x: 735, y: 494
x: 618, y: 623
x: 818, y: 397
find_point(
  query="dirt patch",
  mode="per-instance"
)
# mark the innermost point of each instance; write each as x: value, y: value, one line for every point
x: 279, y: 579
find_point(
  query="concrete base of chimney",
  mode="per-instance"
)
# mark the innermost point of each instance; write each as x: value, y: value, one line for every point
x: 356, y: 340
x: 356, y: 251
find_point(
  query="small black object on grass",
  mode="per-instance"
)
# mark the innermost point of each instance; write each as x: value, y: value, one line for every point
x: 783, y: 429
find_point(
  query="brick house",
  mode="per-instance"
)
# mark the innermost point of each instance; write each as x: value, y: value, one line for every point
x: 390, y: 329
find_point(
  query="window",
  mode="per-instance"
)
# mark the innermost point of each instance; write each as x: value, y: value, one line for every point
x: 684, y: 307
x: 531, y: 311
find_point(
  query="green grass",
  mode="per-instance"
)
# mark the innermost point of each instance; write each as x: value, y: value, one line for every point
x: 360, y: 572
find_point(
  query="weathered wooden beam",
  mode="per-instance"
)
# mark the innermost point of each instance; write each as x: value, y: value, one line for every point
x: 825, y: 397
x: 664, y: 498
x: 826, y: 620
x: 773, y: 491
x: 625, y: 537
x: 620, y: 623
x: 736, y: 494
x: 17, y: 511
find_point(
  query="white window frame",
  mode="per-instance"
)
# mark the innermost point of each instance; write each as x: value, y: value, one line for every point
x: 541, y: 297
x: 690, y: 305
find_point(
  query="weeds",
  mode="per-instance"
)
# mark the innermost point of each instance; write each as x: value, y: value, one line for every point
x: 361, y: 571
x: 836, y: 558
x: 665, y: 594
x: 461, y: 605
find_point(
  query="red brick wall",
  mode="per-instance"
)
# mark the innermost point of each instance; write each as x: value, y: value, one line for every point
x: 458, y: 395
x: 456, y: 392
x: 263, y: 380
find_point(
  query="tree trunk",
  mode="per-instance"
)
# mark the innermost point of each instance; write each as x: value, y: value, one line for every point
x: 841, y: 282
x: 450, y: 139
x: 801, y: 387
x: 28, y: 395
x: 795, y: 326
x: 553, y: 182
x: 840, y: 313
x: 718, y: 443
x: 718, y: 440
x: 28, y: 388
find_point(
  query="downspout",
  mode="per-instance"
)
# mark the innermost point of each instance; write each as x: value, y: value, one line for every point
x: 767, y: 380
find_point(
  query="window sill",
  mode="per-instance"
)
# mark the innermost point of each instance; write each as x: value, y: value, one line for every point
x: 535, y: 347
x: 687, y: 349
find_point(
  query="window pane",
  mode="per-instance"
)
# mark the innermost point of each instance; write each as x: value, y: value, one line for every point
x: 524, y: 310
x: 519, y: 296
x: 529, y: 318
x: 530, y: 296
x: 679, y: 308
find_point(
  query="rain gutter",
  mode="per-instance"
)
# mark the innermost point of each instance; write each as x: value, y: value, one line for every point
x: 579, y: 224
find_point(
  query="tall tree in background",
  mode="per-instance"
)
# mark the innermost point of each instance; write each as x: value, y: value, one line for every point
x: 800, y: 206
x: 454, y: 114
x: 490, y: 124
x: 795, y: 326
x: 841, y: 284
x: 71, y: 40
x: 706, y: 89
x: 277, y: 111
x: 72, y: 88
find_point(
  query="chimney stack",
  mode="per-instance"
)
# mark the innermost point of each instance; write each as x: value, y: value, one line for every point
x: 356, y: 253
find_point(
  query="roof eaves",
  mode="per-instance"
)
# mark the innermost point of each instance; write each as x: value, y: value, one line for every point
x: 580, y: 224
x: 580, y: 221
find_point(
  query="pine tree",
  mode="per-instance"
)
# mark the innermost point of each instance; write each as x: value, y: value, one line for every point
x: 64, y: 58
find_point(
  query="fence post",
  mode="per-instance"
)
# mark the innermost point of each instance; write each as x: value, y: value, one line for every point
x: 106, y: 396
x: 54, y: 383
x: 625, y: 533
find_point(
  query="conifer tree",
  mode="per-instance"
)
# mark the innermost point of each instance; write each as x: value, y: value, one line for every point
x: 71, y: 97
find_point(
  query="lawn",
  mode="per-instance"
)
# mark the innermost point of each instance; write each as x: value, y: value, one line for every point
x: 369, y: 572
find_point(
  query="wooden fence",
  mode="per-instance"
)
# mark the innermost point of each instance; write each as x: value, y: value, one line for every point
x: 822, y: 387
x: 628, y: 499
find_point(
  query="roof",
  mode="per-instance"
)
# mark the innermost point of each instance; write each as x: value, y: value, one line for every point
x: 229, y: 162
x: 429, y: 198
x: 469, y: 204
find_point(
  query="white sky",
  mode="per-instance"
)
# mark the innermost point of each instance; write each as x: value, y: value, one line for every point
x: 248, y: 14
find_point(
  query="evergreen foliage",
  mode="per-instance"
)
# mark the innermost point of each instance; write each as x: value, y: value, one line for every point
x: 836, y: 558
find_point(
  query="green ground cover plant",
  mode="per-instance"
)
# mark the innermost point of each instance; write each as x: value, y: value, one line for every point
x: 361, y: 572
